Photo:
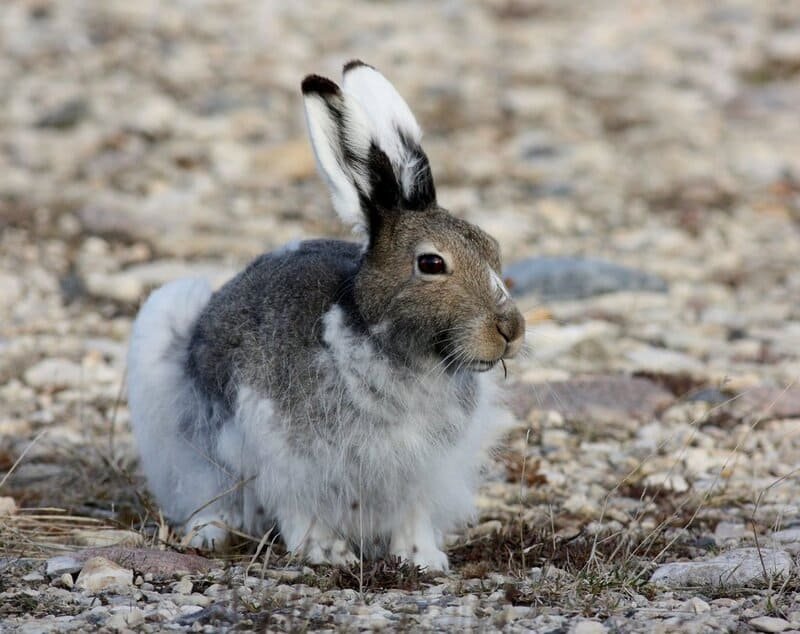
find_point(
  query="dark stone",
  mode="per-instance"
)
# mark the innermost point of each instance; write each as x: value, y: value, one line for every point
x: 64, y: 116
x: 709, y: 395
x: 72, y: 287
x: 705, y: 543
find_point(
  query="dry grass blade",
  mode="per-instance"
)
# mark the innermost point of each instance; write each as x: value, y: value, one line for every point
x: 21, y: 456
x: 32, y: 533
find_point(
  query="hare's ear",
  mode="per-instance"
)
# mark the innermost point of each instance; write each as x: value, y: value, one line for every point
x: 357, y: 172
x: 396, y: 132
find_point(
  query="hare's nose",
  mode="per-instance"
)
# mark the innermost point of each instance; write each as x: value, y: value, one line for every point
x: 512, y: 328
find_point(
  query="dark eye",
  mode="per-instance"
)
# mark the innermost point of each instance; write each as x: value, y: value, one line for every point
x: 431, y: 264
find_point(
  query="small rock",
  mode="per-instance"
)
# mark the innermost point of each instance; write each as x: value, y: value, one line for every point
x: 699, y: 460
x: 7, y: 506
x: 696, y: 605
x: 665, y: 481
x: 155, y: 117
x: 770, y: 624
x: 712, y: 396
x: 215, y: 612
x: 734, y: 568
x: 67, y: 581
x: 120, y: 287
x: 661, y: 360
x: 65, y: 115
x: 730, y: 530
x: 99, y: 574
x: 579, y: 504
x: 588, y: 627
x: 54, y: 373
x: 187, y: 610
x: 563, y: 278
x: 62, y: 565
x: 126, y: 618
x: 784, y: 48
x: 182, y: 587
x: 33, y: 576
x: 550, y: 341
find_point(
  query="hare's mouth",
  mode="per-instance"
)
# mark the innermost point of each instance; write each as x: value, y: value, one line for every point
x: 480, y: 365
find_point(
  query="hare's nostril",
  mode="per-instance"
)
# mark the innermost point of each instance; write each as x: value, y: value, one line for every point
x: 512, y: 328
x: 506, y: 330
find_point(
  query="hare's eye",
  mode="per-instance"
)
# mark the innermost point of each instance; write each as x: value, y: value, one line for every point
x: 431, y: 264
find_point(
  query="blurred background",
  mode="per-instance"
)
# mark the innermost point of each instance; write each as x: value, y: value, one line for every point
x: 142, y: 141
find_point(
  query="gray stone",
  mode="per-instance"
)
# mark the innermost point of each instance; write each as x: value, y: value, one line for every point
x: 63, y: 564
x: 65, y: 115
x: 588, y: 627
x: 734, y: 568
x: 562, y: 278
x: 788, y: 538
x: 770, y: 624
x: 731, y: 530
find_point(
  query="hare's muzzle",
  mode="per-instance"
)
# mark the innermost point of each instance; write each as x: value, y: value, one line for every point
x: 511, y: 326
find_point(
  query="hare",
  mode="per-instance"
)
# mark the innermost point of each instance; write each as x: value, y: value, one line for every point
x: 337, y: 390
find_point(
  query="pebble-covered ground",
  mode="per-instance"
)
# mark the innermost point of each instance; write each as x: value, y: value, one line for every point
x: 653, y: 480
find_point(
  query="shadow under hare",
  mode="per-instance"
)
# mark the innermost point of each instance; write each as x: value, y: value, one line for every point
x: 338, y: 390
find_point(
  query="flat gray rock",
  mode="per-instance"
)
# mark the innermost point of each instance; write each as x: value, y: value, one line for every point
x: 564, y: 278
x: 788, y: 538
x: 63, y: 564
x: 744, y: 566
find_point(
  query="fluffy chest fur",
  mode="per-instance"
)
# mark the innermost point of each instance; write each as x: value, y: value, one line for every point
x: 376, y: 414
x: 365, y: 438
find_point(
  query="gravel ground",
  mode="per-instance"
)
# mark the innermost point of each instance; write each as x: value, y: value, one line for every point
x: 652, y: 481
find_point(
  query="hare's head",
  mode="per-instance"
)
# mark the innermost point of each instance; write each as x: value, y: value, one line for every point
x: 431, y: 282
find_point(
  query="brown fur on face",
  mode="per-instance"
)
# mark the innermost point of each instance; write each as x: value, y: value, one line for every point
x: 456, y: 315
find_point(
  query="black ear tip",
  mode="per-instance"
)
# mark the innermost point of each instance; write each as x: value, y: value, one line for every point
x: 355, y: 63
x: 319, y: 85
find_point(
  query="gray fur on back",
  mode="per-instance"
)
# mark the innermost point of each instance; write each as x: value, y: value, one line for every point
x: 263, y: 328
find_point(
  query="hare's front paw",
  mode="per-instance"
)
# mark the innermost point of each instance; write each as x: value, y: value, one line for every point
x: 207, y: 532
x: 317, y: 543
x: 334, y: 551
x: 429, y: 559
x: 415, y: 541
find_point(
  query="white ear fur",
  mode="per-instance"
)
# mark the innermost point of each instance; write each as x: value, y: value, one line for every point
x: 344, y: 178
x: 390, y: 117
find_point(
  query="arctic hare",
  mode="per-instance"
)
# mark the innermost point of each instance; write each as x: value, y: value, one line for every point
x: 335, y: 389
